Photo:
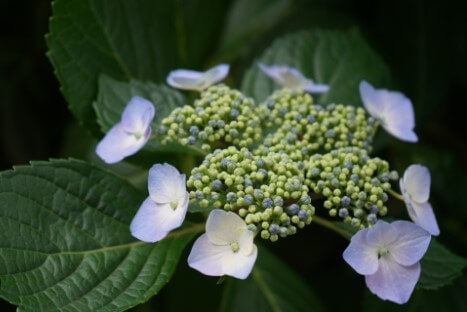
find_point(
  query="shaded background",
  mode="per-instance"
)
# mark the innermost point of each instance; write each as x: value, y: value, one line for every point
x: 424, y: 45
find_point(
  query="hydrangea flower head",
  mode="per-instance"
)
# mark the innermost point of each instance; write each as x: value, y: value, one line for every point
x: 130, y: 134
x: 388, y: 254
x: 292, y: 78
x: 415, y: 187
x: 186, y: 79
x: 226, y: 248
x: 166, y: 206
x: 393, y: 109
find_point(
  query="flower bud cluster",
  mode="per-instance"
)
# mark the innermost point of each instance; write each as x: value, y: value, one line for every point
x: 305, y: 129
x: 353, y: 184
x: 268, y: 192
x: 220, y: 116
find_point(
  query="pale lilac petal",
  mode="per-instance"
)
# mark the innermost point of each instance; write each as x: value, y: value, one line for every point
x: 381, y: 234
x: 118, y: 144
x: 423, y: 215
x: 393, y: 281
x: 398, y: 117
x: 186, y: 79
x: 274, y: 72
x: 316, y: 88
x: 362, y: 257
x: 240, y: 265
x: 216, y: 260
x: 138, y: 115
x: 146, y: 225
x: 417, y: 181
x: 411, y: 244
x: 166, y: 184
x: 216, y: 74
x: 370, y: 99
x: 402, y: 133
x: 225, y: 227
x: 208, y: 258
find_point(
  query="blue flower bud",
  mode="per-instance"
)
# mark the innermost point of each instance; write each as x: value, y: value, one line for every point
x: 331, y: 107
x: 270, y: 103
x: 274, y: 228
x: 197, y: 176
x: 267, y: 202
x: 348, y: 165
x: 191, y: 140
x: 393, y: 175
x: 297, y: 116
x: 345, y: 200
x: 220, y: 123
x: 258, y: 193
x: 302, y: 214
x: 374, y: 209
x: 330, y: 133
x: 224, y: 162
x: 310, y: 118
x: 314, y: 172
x: 248, y: 199
x: 384, y: 177
x: 251, y: 227
x: 231, y: 197
x: 305, y: 199
x: 293, y: 209
x: 371, y: 218
x: 283, y: 110
x: 199, y: 194
x: 343, y: 212
x: 247, y: 182
x: 234, y: 113
x: 217, y: 184
x: 161, y: 129
x: 259, y: 162
x: 199, y: 110
x: 354, y: 177
x: 278, y: 201
x: 212, y: 123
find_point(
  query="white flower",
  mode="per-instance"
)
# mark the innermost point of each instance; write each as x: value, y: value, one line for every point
x: 415, y: 187
x: 130, y: 134
x: 393, y: 109
x: 166, y: 206
x: 291, y: 78
x: 226, y: 248
x: 194, y: 80
x: 388, y: 255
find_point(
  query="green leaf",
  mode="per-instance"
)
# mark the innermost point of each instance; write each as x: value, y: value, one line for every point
x: 114, y: 95
x: 272, y: 286
x: 141, y: 39
x: 339, y: 59
x: 246, y: 19
x: 65, y: 243
x: 440, y: 267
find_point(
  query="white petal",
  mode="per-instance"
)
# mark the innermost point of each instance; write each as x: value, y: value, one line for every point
x: 370, y: 99
x: 118, y: 144
x: 423, y: 215
x: 138, y: 115
x: 240, y: 265
x: 362, y: 257
x: 381, y: 234
x: 186, y: 79
x: 216, y: 260
x: 417, y: 181
x: 153, y: 221
x: 316, y: 88
x: 393, y: 281
x: 225, y: 227
x: 166, y: 184
x: 411, y: 244
x: 216, y: 74
x: 398, y: 117
x: 198, y: 81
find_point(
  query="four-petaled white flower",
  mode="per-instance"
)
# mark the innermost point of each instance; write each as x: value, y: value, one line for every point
x: 226, y: 248
x: 130, y: 134
x: 415, y: 187
x: 166, y: 206
x: 291, y: 78
x: 186, y: 79
x: 388, y: 254
x: 393, y: 109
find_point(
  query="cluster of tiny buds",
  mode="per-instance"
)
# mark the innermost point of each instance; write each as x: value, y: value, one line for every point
x: 353, y: 184
x: 304, y: 128
x: 268, y: 192
x: 220, y: 116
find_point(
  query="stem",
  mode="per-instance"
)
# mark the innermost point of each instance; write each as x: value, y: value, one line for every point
x: 396, y: 195
x: 331, y: 226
